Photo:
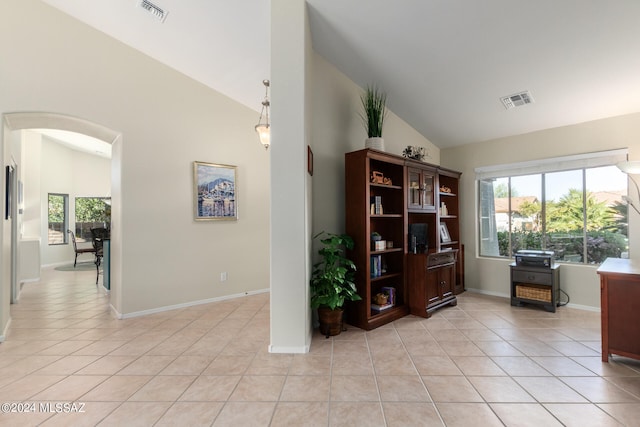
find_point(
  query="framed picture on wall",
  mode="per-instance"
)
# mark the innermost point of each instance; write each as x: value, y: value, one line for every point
x: 215, y: 192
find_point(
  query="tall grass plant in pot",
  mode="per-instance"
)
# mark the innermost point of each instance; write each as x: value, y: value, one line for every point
x: 373, y: 115
x: 332, y: 282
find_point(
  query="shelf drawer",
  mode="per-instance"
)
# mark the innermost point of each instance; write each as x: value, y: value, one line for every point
x: 533, y: 277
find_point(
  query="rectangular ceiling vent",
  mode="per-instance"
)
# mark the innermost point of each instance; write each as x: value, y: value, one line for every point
x: 517, y: 100
x: 157, y: 12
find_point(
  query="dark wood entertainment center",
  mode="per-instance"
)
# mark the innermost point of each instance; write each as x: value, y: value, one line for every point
x: 385, y: 194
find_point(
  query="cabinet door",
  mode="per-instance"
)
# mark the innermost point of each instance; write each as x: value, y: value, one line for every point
x: 446, y: 281
x: 420, y: 188
x: 432, y: 287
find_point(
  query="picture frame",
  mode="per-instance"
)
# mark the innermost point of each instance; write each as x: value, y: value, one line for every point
x: 309, y: 160
x: 445, y: 237
x: 215, y: 192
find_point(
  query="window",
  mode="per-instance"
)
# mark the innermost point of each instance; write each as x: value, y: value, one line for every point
x: 58, y: 216
x: 578, y: 213
x: 91, y: 212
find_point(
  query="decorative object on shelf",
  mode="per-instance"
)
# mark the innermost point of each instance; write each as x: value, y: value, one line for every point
x: 415, y: 153
x: 381, y: 298
x: 373, y: 115
x: 332, y: 282
x: 215, y: 191
x: 444, y: 233
x: 445, y: 189
x: 379, y: 178
x: 375, y: 237
x: 380, y: 245
x: 443, y: 209
x: 376, y: 205
x: 264, y: 129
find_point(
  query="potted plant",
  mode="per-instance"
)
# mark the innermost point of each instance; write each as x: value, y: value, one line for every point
x: 374, y: 113
x: 332, y: 282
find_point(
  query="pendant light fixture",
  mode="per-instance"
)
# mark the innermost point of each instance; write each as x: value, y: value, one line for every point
x: 263, y: 129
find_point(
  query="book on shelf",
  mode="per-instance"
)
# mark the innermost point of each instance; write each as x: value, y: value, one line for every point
x: 377, y: 307
x: 376, y: 265
x: 376, y: 205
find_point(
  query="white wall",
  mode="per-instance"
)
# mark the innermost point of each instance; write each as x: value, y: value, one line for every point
x: 337, y: 129
x: 57, y: 64
x: 492, y: 275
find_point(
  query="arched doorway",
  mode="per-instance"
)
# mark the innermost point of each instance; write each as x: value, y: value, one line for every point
x: 13, y: 123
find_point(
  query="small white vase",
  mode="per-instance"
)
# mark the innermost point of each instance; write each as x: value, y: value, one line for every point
x: 376, y: 143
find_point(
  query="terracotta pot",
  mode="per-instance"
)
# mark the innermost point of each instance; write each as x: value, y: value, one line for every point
x: 330, y: 321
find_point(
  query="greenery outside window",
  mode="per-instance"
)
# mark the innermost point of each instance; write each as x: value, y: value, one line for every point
x: 91, y: 212
x: 577, y: 213
x: 58, y: 218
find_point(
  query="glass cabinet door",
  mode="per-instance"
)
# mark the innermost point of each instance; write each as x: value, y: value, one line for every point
x: 427, y: 190
x: 414, y: 188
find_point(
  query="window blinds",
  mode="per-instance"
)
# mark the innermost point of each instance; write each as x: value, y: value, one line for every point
x: 555, y: 164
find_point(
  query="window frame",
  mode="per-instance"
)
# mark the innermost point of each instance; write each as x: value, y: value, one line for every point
x: 65, y: 220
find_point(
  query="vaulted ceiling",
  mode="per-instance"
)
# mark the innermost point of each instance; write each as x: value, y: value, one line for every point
x: 444, y: 64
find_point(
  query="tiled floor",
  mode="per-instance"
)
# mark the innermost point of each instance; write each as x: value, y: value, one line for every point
x: 482, y: 363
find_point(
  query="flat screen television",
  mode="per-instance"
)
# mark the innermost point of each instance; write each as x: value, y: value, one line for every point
x: 418, y: 238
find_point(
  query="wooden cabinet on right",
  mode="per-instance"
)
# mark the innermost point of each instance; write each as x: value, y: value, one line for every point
x: 620, y: 307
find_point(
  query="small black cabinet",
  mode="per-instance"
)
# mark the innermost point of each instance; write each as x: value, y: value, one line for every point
x: 534, y: 285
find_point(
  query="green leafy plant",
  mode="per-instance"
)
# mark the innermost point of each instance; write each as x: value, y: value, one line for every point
x: 332, y: 277
x: 374, y: 112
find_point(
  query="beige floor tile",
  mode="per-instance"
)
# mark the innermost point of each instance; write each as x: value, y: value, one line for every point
x: 563, y: 366
x: 116, y: 388
x: 99, y: 348
x: 301, y: 414
x: 605, y: 369
x: 258, y: 388
x: 451, y: 389
x: 228, y: 365
x: 67, y: 365
x: 187, y: 365
x: 146, y: 365
x: 627, y: 414
x: 70, y: 388
x: 581, y: 415
x: 441, y: 335
x: 270, y: 364
x: 65, y: 347
x: 92, y: 413
x: 500, y: 389
x: 461, y: 348
x: 524, y: 415
x: 573, y: 348
x: 192, y: 414
x: 134, y: 414
x: 435, y: 365
x: 629, y: 384
x: 352, y: 365
x: 411, y: 414
x: 210, y: 388
x: 468, y: 414
x: 549, y: 389
x: 520, y: 366
x: 355, y: 388
x: 163, y: 388
x: 361, y: 414
x: 248, y: 414
x: 497, y: 348
x: 396, y: 363
x: 477, y: 365
x: 599, y: 390
x: 107, y: 365
x: 28, y: 386
x: 310, y: 365
x: 306, y: 388
x: 402, y: 389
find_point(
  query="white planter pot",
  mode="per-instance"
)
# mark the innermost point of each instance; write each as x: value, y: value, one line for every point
x: 376, y: 143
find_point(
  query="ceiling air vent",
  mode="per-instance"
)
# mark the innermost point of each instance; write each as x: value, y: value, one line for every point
x: 156, y: 11
x: 517, y: 100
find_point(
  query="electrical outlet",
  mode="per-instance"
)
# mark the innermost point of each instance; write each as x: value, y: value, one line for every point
x: 223, y: 276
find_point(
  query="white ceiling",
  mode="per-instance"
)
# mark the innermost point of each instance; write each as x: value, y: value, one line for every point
x: 443, y: 63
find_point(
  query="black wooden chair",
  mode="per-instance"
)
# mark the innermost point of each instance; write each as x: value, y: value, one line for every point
x: 79, y: 251
x: 97, y: 239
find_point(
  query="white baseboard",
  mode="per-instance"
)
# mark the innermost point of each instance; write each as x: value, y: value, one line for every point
x: 187, y: 304
x: 507, y: 296
x: 6, y: 331
x: 289, y: 350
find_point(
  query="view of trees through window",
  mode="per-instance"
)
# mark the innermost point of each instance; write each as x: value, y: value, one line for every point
x: 91, y: 212
x: 58, y: 217
x: 578, y: 214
